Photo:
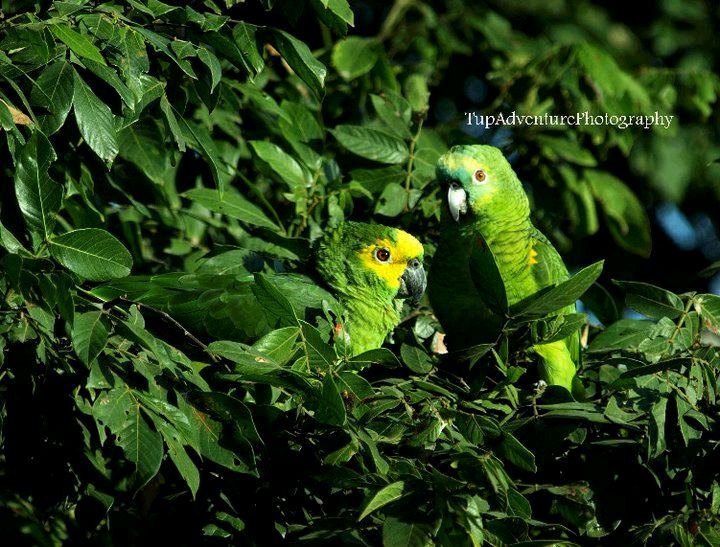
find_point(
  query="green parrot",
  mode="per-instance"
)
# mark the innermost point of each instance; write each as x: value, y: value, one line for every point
x: 370, y: 268
x: 486, y: 234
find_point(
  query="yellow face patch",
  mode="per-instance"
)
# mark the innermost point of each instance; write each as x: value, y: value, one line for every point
x: 403, y: 250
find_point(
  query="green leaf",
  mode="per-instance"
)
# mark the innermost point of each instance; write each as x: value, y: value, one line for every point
x: 130, y: 97
x: 711, y: 270
x: 172, y: 122
x: 656, y: 428
x: 341, y: 8
x: 355, y: 384
x: 95, y: 121
x: 331, y: 407
x: 300, y: 59
x: 7, y: 120
x: 91, y: 253
x: 644, y: 370
x: 393, y: 119
x: 281, y: 162
x: 179, y: 456
x: 251, y: 362
x: 388, y: 494
x: 233, y: 205
x: 79, y: 44
x: 320, y: 356
x: 392, y: 201
x: 372, y: 144
x: 198, y: 137
x: 204, y: 435
x: 379, y: 356
x: 89, y: 335
x: 417, y: 93
x: 38, y: 196
x: 650, y: 300
x: 245, y: 36
x: 708, y: 306
x: 624, y: 214
x: 396, y: 533
x: 276, y: 305
x: 54, y: 91
x: 513, y: 451
x: 623, y: 334
x: 416, y: 359
x: 152, y: 7
x: 564, y: 294
x: 120, y: 412
x: 558, y: 327
x: 10, y: 242
x: 355, y: 56
x: 231, y: 411
x: 567, y: 149
x: 142, y: 145
x: 280, y: 345
x: 300, y: 122
x: 211, y: 61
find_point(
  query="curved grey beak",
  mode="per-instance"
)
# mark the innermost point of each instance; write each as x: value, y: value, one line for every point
x: 413, y: 281
x: 457, y: 201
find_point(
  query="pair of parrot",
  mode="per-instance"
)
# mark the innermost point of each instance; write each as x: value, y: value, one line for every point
x: 486, y: 236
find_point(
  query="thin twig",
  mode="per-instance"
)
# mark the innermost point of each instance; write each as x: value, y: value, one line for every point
x: 175, y: 322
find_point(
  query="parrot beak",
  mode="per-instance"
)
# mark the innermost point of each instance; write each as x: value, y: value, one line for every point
x: 457, y: 201
x: 413, y: 281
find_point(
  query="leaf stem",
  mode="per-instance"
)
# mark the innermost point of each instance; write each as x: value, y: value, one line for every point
x: 262, y: 198
x: 411, y: 161
x: 394, y: 15
x: 681, y: 321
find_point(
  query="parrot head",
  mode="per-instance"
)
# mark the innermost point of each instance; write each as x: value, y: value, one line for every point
x: 371, y: 260
x: 478, y: 178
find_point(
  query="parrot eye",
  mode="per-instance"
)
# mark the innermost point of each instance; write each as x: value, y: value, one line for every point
x: 480, y: 176
x: 382, y: 254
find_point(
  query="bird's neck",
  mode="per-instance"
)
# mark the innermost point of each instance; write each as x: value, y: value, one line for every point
x: 370, y: 318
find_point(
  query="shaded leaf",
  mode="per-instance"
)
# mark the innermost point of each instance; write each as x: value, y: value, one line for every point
x: 388, y: 494
x: 331, y: 407
x: 625, y: 215
x: 39, y: 197
x: 89, y: 335
x: 300, y: 59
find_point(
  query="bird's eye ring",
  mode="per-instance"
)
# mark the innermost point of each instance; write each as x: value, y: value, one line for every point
x: 382, y: 254
x: 480, y: 176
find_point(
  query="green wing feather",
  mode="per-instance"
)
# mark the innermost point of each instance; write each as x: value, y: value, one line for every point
x: 550, y: 270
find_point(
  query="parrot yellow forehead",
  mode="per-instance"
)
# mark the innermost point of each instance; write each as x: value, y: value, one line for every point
x: 458, y: 163
x: 403, y: 249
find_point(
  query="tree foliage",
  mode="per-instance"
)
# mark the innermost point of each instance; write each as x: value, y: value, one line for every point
x: 207, y: 143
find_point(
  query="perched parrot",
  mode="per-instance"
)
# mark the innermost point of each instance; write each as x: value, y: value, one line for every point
x: 370, y: 268
x: 486, y: 234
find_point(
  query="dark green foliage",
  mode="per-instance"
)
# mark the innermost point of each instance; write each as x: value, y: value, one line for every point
x: 206, y: 143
